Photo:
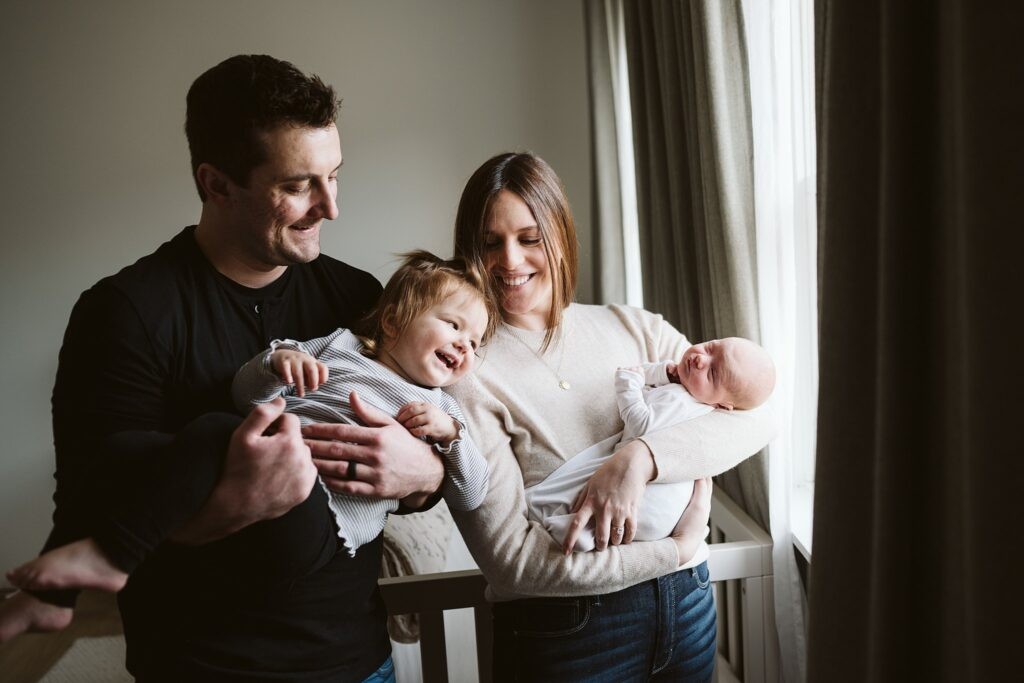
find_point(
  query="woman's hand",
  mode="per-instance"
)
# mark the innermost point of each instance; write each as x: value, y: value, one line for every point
x: 692, y: 526
x: 611, y: 498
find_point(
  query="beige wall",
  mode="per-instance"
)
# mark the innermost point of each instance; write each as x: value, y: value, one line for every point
x: 95, y: 171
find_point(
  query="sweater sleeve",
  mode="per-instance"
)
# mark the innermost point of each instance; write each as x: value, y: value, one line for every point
x: 708, y: 445
x: 518, y: 556
x: 465, y: 468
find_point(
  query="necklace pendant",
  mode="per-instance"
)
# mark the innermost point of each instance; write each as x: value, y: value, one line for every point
x: 564, y: 384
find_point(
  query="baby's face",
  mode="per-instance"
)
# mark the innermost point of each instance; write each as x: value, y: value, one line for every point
x: 715, y: 372
x: 706, y: 370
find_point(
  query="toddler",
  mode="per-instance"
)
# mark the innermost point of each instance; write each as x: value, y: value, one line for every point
x: 731, y: 373
x: 427, y: 327
x: 423, y: 334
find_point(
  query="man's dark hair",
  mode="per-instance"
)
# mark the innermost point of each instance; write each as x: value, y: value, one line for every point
x: 231, y: 104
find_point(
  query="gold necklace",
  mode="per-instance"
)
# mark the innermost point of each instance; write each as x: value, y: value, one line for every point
x: 556, y: 371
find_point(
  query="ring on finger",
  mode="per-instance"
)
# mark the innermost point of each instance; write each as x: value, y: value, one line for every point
x: 618, y: 530
x: 350, y: 473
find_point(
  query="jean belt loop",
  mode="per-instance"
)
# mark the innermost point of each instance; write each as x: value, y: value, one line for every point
x: 594, y: 600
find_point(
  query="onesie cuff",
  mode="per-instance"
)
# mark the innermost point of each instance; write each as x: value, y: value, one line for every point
x: 447, y: 450
x: 286, y: 343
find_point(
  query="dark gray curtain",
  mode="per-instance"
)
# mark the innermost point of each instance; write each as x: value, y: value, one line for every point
x: 917, y: 536
x: 689, y: 89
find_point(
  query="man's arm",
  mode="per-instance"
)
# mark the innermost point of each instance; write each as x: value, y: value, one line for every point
x: 109, y: 380
x: 267, y: 471
x: 113, y: 377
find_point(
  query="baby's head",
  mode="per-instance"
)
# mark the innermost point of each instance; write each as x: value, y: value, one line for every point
x: 430, y: 320
x: 727, y: 373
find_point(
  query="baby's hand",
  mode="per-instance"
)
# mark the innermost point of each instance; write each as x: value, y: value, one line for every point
x: 673, y: 372
x: 298, y: 368
x: 426, y: 419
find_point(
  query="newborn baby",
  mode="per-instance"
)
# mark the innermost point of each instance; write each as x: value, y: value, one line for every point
x: 728, y: 374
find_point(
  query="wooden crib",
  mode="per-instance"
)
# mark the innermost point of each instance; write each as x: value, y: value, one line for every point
x: 740, y: 566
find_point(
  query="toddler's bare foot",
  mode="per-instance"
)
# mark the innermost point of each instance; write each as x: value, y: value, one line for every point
x: 22, y: 612
x: 76, y: 565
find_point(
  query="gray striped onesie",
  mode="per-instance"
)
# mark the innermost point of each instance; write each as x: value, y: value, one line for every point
x: 360, y: 520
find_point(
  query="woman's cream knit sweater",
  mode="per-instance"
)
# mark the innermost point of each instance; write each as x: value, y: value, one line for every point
x: 526, y: 426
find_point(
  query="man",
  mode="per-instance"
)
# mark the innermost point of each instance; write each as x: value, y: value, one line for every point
x: 153, y: 349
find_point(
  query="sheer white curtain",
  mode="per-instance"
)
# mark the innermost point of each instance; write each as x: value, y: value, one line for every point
x: 780, y: 40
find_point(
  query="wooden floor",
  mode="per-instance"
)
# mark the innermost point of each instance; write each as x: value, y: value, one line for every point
x: 26, y: 658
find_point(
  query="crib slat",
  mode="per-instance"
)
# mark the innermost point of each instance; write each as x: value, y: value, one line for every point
x: 484, y: 642
x: 433, y: 655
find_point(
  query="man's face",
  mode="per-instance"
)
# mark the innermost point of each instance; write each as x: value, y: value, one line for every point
x: 278, y: 216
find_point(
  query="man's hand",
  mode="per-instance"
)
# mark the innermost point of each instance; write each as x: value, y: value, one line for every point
x: 692, y: 526
x: 611, y: 497
x: 389, y: 462
x: 267, y: 471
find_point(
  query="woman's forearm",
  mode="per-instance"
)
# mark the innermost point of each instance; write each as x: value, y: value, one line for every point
x: 519, y: 557
x: 711, y: 444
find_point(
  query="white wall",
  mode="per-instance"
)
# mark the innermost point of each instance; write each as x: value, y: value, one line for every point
x: 95, y: 171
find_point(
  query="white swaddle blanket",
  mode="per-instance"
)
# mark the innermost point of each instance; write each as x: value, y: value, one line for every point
x: 549, y: 501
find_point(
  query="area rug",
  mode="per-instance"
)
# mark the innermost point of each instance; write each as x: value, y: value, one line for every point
x: 91, y: 660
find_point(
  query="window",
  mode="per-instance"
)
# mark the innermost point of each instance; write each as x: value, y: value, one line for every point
x: 780, y: 49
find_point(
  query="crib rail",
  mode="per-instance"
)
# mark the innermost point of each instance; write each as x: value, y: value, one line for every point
x: 430, y: 595
x: 740, y: 567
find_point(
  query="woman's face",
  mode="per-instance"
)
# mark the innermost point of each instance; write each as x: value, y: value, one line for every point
x: 514, y: 256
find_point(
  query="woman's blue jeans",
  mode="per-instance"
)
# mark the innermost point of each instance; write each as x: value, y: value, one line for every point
x: 659, y: 630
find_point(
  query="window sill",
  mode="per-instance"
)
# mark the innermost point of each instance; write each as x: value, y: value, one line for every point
x: 801, y: 520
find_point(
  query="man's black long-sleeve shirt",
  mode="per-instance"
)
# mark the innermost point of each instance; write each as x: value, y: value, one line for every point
x: 152, y: 348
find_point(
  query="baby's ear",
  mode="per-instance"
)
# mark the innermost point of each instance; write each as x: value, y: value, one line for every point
x: 724, y: 406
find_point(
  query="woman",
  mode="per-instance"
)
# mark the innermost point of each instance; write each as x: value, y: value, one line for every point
x: 544, y: 392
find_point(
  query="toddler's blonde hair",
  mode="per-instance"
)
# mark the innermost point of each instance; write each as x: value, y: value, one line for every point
x: 421, y: 282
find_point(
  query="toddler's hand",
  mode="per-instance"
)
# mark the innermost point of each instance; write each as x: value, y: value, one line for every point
x: 426, y: 419
x: 298, y: 368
